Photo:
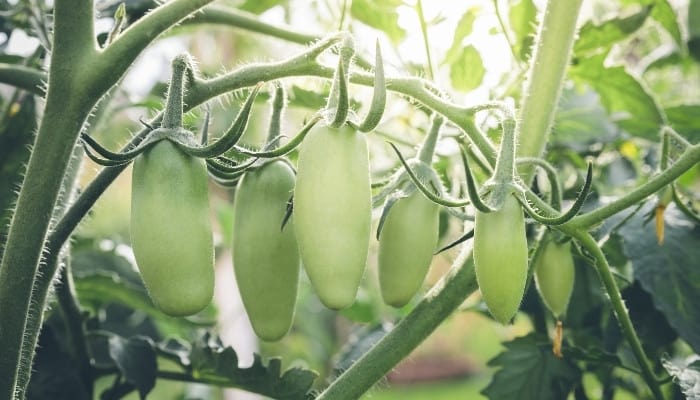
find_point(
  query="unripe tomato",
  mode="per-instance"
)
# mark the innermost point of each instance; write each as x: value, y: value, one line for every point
x: 332, y: 212
x: 554, y: 274
x: 500, y: 258
x: 170, y: 229
x: 406, y: 246
x: 265, y: 256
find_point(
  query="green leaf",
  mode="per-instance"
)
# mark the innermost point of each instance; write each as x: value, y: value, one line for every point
x: 581, y: 118
x: 55, y: 374
x: 259, y: 6
x: 522, y: 17
x: 624, y: 97
x: 694, y: 18
x: 380, y: 15
x: 213, y: 362
x: 684, y: 119
x: 651, y: 325
x: 464, y: 28
x: 663, y: 13
x: 529, y: 371
x: 668, y: 272
x: 686, y: 375
x: 467, y: 70
x: 136, y: 360
x: 601, y: 37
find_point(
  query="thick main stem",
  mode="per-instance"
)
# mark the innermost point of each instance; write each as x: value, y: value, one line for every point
x: 437, y: 305
x: 66, y: 109
x: 550, y: 58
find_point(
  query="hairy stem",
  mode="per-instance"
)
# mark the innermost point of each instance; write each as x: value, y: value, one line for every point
x: 550, y: 58
x: 438, y: 304
x: 686, y: 161
x: 620, y: 310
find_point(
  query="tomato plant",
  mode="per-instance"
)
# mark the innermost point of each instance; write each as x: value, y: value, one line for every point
x: 565, y: 128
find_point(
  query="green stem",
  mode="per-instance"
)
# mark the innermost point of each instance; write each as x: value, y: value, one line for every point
x: 443, y: 299
x: 426, y: 44
x: 550, y: 58
x: 118, y: 56
x: 689, y: 158
x: 427, y: 149
x: 620, y: 310
x: 68, y: 301
x: 505, y: 164
x: 66, y: 110
x: 172, y: 115
x: 27, y: 78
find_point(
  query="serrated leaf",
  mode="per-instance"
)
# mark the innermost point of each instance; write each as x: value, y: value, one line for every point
x: 210, y: 360
x: 600, y: 37
x: 529, y: 371
x: 668, y: 272
x: 686, y: 375
x: 136, y: 359
x: 627, y: 102
x: 684, y: 119
x: 467, y: 70
x: 464, y: 28
x: 522, y: 17
x: 380, y: 15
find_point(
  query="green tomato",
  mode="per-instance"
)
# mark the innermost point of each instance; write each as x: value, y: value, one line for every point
x: 170, y: 229
x: 265, y: 256
x: 554, y: 274
x: 406, y: 246
x: 333, y: 211
x: 500, y: 258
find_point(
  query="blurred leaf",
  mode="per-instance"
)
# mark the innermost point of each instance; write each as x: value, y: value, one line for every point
x: 467, y: 70
x: 581, y: 118
x: 684, y: 119
x: 668, y: 272
x: 55, y: 373
x: 211, y: 361
x: 363, y: 310
x: 136, y: 359
x: 522, y: 16
x: 601, y: 37
x: 694, y: 18
x: 529, y: 370
x: 312, y: 99
x: 16, y: 135
x: 464, y: 28
x: 627, y: 102
x: 663, y: 13
x: 259, y: 6
x: 359, y: 342
x: 686, y: 375
x: 380, y: 15
x: 650, y: 324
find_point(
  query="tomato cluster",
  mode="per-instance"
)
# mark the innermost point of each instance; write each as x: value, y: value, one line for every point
x: 320, y: 217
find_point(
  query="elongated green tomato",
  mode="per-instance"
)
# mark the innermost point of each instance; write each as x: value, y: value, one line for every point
x: 332, y: 212
x: 500, y: 258
x: 170, y: 229
x: 406, y: 246
x: 265, y: 256
x: 554, y: 274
